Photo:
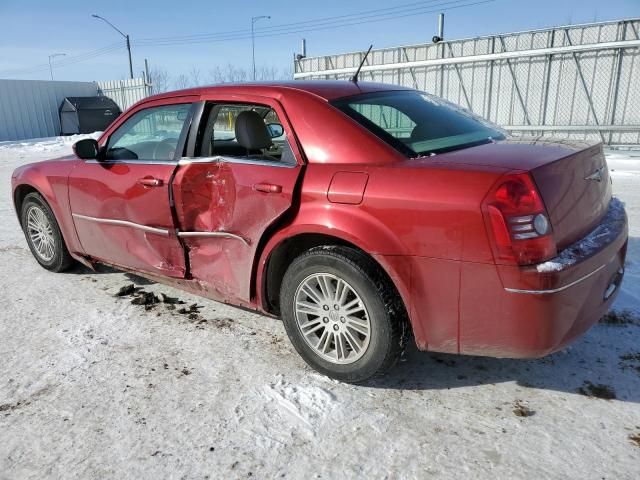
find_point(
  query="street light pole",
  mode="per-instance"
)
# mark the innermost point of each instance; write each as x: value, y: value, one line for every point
x: 54, y: 55
x: 253, y: 42
x: 124, y: 35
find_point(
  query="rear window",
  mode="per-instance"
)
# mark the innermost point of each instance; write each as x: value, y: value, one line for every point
x: 418, y: 124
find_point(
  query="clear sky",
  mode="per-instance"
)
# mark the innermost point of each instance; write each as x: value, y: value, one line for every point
x: 32, y: 30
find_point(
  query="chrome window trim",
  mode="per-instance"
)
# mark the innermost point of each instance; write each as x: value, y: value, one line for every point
x: 133, y: 161
x: 218, y: 158
x: 123, y: 223
x: 213, y: 234
x: 555, y: 290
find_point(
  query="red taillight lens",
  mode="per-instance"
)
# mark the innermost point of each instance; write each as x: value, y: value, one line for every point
x: 518, y: 222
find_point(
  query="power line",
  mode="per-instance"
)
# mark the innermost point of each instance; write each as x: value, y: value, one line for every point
x: 320, y: 24
x: 70, y: 60
x: 298, y: 23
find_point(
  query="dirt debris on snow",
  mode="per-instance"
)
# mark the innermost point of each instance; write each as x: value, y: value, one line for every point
x: 635, y: 439
x: 599, y: 390
x: 520, y: 409
x: 623, y: 317
x: 192, y: 312
x: 166, y: 299
x: 630, y: 361
x: 126, y: 290
x: 145, y: 298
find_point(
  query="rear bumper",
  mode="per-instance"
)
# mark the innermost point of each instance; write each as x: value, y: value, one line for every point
x: 517, y: 312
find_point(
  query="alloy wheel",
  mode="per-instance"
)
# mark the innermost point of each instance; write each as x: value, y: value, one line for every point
x: 332, y: 318
x: 40, y: 233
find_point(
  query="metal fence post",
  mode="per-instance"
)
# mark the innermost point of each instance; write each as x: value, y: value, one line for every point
x: 584, y: 86
x: 547, y: 78
x: 490, y: 81
x: 515, y: 83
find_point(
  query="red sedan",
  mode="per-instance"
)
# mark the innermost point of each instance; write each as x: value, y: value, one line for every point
x: 357, y: 212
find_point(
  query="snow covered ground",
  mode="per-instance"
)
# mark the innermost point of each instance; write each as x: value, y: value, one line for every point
x: 92, y: 387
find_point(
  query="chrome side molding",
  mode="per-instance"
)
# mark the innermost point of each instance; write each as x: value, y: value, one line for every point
x: 160, y: 231
x: 213, y: 234
x: 555, y: 290
x: 123, y: 223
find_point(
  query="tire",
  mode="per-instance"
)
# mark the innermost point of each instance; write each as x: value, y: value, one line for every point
x: 334, y: 341
x: 36, y: 216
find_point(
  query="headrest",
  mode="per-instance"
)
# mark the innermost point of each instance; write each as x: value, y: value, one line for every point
x: 251, y: 131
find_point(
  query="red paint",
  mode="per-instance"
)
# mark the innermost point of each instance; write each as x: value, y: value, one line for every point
x: 347, y: 187
x: 214, y: 197
x: 114, y: 191
x: 423, y: 220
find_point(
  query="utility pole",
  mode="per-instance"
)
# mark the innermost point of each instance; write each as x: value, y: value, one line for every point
x: 253, y: 42
x: 54, y: 55
x: 148, y: 85
x: 124, y: 35
x: 440, y: 36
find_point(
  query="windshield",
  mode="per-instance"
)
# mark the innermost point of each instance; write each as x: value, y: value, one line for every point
x: 418, y: 124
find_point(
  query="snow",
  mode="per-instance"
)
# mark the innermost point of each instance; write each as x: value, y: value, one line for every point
x: 94, y: 387
x: 608, y: 229
x: 56, y: 146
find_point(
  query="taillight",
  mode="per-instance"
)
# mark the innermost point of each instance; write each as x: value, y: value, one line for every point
x: 518, y: 222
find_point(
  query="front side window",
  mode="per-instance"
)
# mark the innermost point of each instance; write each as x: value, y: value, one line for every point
x: 244, y: 132
x: 150, y: 134
x: 416, y: 123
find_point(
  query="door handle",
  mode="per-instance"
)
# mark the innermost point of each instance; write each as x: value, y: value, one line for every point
x: 150, y: 182
x: 267, y: 188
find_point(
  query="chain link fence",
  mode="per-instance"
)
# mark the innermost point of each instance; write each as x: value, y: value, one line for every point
x: 125, y: 92
x: 576, y: 81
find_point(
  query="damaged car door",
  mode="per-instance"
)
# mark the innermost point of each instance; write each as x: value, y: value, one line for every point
x: 238, y: 181
x: 120, y: 201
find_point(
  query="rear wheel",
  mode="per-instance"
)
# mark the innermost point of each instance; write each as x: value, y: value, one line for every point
x: 342, y: 314
x: 43, y: 234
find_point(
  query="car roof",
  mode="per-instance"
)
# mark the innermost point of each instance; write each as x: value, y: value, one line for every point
x: 327, y: 89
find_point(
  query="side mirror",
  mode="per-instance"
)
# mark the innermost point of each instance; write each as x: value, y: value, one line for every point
x: 86, y: 149
x: 275, y: 130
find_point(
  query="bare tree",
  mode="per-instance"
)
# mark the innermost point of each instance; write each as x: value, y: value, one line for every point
x: 233, y: 74
x: 194, y: 76
x: 182, y: 81
x: 286, y: 73
x: 270, y: 73
x: 159, y: 78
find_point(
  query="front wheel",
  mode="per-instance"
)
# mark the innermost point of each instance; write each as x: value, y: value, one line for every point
x: 342, y: 314
x: 43, y: 234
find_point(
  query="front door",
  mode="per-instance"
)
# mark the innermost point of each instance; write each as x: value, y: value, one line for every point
x: 232, y: 189
x: 120, y: 204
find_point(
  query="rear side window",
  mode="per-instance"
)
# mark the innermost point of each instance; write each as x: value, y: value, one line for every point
x: 219, y: 136
x: 417, y: 123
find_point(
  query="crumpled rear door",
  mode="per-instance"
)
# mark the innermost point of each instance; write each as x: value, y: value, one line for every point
x: 223, y: 209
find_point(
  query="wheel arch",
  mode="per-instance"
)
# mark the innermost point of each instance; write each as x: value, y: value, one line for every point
x: 284, y: 248
x: 19, y: 194
x: 59, y: 205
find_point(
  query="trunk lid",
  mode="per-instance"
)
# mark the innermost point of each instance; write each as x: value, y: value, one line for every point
x: 572, y: 178
x: 576, y: 190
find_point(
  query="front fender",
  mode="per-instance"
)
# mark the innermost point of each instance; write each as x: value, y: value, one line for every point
x: 49, y: 179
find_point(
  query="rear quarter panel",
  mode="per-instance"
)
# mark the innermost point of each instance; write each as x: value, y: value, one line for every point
x: 420, y: 220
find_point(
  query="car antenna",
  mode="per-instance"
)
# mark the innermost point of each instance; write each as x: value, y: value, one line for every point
x: 354, y: 79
